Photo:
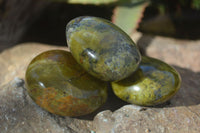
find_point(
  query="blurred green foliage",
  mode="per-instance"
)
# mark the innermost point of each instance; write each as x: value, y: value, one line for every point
x: 196, y: 4
x: 176, y: 5
x: 127, y: 14
x: 98, y: 2
x: 193, y: 4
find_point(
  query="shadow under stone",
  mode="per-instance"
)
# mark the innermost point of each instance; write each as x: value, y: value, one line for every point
x: 188, y: 95
x: 143, y: 42
x: 113, y: 103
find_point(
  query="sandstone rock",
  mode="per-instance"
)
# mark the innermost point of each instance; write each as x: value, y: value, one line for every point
x: 133, y: 119
x: 15, y: 60
x: 19, y: 114
x: 182, y: 112
x: 183, y: 53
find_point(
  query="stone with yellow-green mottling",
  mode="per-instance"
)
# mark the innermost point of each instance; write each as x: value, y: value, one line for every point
x: 153, y: 83
x: 59, y: 85
x: 102, y: 48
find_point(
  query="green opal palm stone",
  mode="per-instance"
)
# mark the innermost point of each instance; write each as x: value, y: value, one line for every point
x: 103, y: 49
x: 153, y: 83
x: 58, y: 84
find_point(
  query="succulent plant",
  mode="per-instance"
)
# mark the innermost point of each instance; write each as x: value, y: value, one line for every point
x: 128, y: 14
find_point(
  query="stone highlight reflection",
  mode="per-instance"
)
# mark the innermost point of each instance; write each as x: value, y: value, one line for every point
x: 57, y: 83
x: 153, y: 83
x: 102, y: 48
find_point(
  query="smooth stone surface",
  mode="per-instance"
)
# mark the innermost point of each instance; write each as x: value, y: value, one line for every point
x: 58, y: 84
x: 103, y: 49
x: 153, y: 83
x: 20, y: 114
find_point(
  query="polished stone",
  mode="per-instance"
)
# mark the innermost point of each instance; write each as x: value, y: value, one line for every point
x: 59, y: 85
x: 103, y: 49
x: 153, y: 83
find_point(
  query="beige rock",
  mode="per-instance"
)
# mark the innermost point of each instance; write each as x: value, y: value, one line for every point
x: 182, y: 53
x: 19, y: 114
x: 13, y: 61
x: 130, y: 119
x: 180, y: 115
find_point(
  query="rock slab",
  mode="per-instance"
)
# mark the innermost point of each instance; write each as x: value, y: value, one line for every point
x: 19, y: 114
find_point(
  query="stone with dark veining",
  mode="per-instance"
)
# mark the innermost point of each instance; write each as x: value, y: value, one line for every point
x: 19, y: 114
x: 58, y: 84
x: 153, y: 83
x: 102, y: 48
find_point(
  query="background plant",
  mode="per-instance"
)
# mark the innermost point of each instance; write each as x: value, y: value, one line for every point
x: 32, y: 20
x: 128, y: 13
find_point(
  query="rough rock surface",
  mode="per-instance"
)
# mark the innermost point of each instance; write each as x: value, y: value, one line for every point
x: 182, y: 53
x: 19, y: 114
x: 15, y: 60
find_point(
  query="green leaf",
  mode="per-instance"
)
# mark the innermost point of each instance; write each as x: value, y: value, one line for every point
x: 127, y: 16
x: 98, y: 2
x: 95, y: 2
x: 196, y: 4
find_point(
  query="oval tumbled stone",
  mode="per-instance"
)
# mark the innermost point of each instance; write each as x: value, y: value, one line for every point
x: 153, y: 83
x: 57, y: 83
x: 103, y: 49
